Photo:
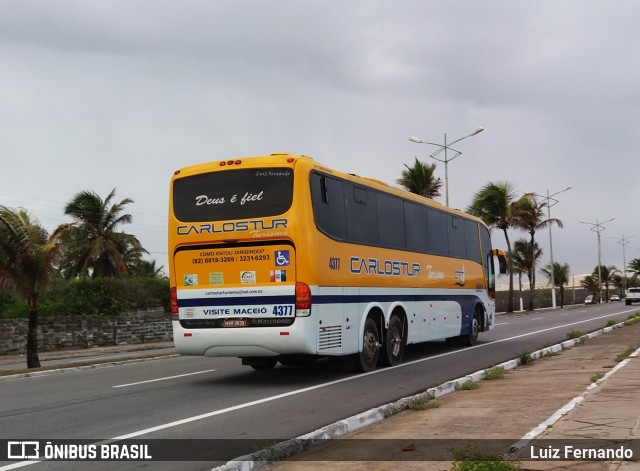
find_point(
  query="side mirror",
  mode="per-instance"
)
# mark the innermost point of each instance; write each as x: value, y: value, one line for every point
x: 502, y: 260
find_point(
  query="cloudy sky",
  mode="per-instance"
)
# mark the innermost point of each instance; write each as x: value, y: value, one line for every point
x: 96, y: 95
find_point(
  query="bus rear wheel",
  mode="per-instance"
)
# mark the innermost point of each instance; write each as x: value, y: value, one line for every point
x: 260, y: 364
x: 368, y: 357
x: 394, y: 342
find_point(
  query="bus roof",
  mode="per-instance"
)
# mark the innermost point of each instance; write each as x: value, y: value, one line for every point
x: 279, y: 158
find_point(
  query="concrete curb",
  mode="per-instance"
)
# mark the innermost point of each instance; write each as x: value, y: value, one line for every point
x: 288, y: 448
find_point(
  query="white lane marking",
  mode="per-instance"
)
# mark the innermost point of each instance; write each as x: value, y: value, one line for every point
x: 162, y: 379
x: 536, y: 318
x: 307, y: 389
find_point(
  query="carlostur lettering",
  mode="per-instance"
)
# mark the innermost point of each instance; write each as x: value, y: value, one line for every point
x: 373, y: 266
x: 226, y: 227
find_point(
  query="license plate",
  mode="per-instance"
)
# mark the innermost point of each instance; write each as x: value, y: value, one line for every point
x: 234, y: 323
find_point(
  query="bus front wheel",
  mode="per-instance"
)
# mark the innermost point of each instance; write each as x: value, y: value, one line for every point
x: 472, y: 337
x: 260, y: 364
x: 368, y: 358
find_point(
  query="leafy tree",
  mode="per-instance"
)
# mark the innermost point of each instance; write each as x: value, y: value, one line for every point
x: 561, y: 273
x: 530, y: 216
x: 27, y: 264
x: 419, y: 179
x: 525, y: 257
x: 494, y: 204
x: 93, y: 246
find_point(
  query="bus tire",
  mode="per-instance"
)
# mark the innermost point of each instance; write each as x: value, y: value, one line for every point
x: 263, y: 364
x: 394, y: 342
x: 368, y: 357
x: 472, y: 337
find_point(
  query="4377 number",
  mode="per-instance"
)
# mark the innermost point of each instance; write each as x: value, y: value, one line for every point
x: 283, y: 310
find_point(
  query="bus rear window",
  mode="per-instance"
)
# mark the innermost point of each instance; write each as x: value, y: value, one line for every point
x: 233, y: 194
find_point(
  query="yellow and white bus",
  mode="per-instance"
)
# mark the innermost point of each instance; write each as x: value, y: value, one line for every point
x: 281, y: 259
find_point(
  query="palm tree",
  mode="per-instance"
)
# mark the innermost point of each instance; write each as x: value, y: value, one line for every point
x: 526, y: 257
x: 419, y: 179
x: 529, y: 215
x: 93, y: 246
x: 591, y: 284
x: 619, y: 282
x: 561, y: 273
x: 494, y: 205
x: 27, y: 264
x: 518, y: 264
x: 605, y: 276
x: 148, y: 269
x: 634, y: 267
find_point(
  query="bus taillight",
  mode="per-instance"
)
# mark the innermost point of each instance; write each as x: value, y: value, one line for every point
x: 173, y: 298
x: 303, y: 299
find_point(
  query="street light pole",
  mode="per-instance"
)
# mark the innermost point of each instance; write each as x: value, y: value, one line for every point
x: 550, y: 198
x: 444, y: 148
x: 598, y: 227
x: 624, y: 241
x: 553, y: 278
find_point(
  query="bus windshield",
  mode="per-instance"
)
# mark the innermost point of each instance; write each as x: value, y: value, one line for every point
x: 237, y: 194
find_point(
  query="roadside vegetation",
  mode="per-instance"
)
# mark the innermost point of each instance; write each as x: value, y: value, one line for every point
x: 468, y: 385
x: 626, y: 354
x: 87, y: 266
x: 92, y: 296
x: 525, y: 357
x: 470, y: 459
x: 423, y: 404
x: 633, y: 319
x: 574, y: 334
x: 496, y: 372
x: 620, y: 357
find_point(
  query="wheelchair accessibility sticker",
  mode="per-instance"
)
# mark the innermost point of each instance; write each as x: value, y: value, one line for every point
x: 282, y: 258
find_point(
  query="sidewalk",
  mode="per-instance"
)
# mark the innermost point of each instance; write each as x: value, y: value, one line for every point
x: 75, y: 357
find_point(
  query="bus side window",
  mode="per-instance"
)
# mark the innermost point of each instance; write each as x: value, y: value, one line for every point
x: 328, y: 205
x: 323, y: 189
x: 361, y: 214
x: 438, y: 232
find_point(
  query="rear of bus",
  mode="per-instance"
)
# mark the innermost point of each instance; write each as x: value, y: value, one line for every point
x: 235, y: 238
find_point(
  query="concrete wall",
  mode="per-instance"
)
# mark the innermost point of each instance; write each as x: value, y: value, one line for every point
x: 80, y: 331
x: 542, y: 298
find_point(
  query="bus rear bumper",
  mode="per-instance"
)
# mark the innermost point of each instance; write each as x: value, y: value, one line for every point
x: 299, y: 338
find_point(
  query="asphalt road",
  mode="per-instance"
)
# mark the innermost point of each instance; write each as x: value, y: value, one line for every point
x: 217, y: 398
